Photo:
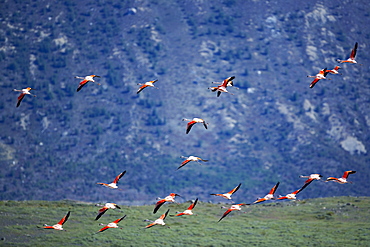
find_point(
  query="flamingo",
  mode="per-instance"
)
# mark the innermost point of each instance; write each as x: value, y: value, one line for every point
x: 190, y: 158
x: 311, y: 177
x: 334, y: 71
x: 232, y: 208
x: 321, y: 75
x: 113, y: 224
x: 351, y: 58
x: 105, y: 208
x: 189, y: 210
x: 85, y: 80
x: 222, y: 87
x: 228, y: 194
x: 59, y: 226
x: 146, y: 84
x: 194, y: 121
x: 113, y: 185
x: 269, y: 196
x: 169, y: 198
x: 343, y: 179
x: 292, y: 196
x: 23, y: 93
x: 159, y: 221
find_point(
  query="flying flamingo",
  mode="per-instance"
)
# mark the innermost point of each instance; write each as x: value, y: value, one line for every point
x: 334, y: 71
x: 321, y: 75
x: 113, y: 224
x: 228, y: 194
x: 113, y: 185
x: 59, y: 226
x: 146, y: 84
x: 292, y: 196
x: 343, y: 179
x: 351, y: 58
x: 169, y: 198
x: 159, y: 221
x: 105, y: 208
x: 269, y: 196
x: 23, y: 93
x: 194, y: 121
x: 232, y: 208
x: 311, y: 177
x: 190, y: 158
x: 222, y: 87
x: 85, y: 80
x: 189, y: 210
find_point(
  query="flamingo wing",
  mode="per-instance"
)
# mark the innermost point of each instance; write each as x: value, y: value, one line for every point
x: 272, y: 191
x: 235, y: 189
x: 141, y: 88
x: 259, y: 200
x: 64, y: 219
x: 226, y: 81
x: 20, y: 98
x: 303, y: 187
x: 101, y: 212
x: 346, y: 174
x: 150, y: 225
x: 163, y: 216
x: 158, y: 205
x: 225, y: 214
x: 118, y: 220
x: 282, y: 198
x: 118, y: 177
x: 48, y: 227
x: 104, y: 228
x: 189, y: 126
x: 218, y: 93
x: 183, y: 163
x: 82, y: 84
x: 314, y: 82
x: 193, y: 204
x: 308, y: 180
x: 354, y: 51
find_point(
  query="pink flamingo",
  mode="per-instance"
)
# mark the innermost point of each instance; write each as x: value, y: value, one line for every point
x: 228, y: 194
x: 23, y: 93
x: 334, y: 71
x: 321, y: 75
x: 351, y: 58
x: 59, y: 225
x: 269, y: 196
x: 169, y: 198
x: 194, y: 121
x: 190, y: 158
x: 292, y: 196
x: 113, y: 224
x: 188, y: 211
x: 85, y: 80
x: 159, y: 221
x: 113, y: 185
x: 105, y: 209
x: 311, y: 177
x: 232, y: 208
x: 343, y: 179
x: 145, y: 85
x: 222, y: 87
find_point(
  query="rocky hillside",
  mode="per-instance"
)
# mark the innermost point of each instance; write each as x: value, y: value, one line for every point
x: 59, y: 144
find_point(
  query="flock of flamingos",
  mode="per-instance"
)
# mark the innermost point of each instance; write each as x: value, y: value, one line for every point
x: 221, y: 88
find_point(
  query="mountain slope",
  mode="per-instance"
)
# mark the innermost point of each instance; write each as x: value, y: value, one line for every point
x: 274, y: 128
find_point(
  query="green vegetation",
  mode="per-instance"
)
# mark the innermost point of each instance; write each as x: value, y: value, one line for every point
x: 335, y: 221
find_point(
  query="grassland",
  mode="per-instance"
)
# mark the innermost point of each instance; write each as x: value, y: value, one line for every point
x: 335, y: 221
